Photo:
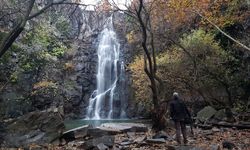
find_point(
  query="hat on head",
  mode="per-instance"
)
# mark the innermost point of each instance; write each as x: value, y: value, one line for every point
x: 175, y: 94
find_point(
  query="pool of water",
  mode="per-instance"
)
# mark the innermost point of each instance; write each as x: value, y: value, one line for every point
x: 70, y: 124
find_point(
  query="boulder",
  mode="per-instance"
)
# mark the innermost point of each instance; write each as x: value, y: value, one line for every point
x: 131, y: 135
x: 156, y: 141
x: 220, y: 115
x: 161, y: 134
x: 205, y: 114
x: 39, y: 127
x: 230, y: 115
x: 214, y: 129
x: 124, y: 127
x: 126, y: 143
x: 140, y: 139
x: 117, y: 147
x: 96, y: 132
x: 93, y: 143
x: 75, y: 133
x: 101, y: 146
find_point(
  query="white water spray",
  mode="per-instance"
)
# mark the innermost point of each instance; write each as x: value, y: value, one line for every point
x: 101, y: 100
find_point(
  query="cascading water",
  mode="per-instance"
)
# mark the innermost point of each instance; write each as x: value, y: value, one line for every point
x: 109, y: 69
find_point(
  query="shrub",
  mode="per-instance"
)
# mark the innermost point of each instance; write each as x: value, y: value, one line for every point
x: 44, y: 84
x: 14, y: 77
x: 58, y: 51
x: 69, y: 66
x: 140, y: 83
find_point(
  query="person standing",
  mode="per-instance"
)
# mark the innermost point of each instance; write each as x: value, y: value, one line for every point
x: 179, y: 114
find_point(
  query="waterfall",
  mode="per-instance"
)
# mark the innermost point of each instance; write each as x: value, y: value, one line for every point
x: 101, y: 102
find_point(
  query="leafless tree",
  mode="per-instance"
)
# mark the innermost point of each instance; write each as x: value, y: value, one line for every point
x: 140, y: 11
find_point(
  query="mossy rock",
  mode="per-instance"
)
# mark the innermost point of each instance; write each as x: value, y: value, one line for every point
x: 220, y: 115
x: 206, y: 113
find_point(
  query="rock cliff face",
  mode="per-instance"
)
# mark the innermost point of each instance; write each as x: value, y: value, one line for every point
x: 80, y: 81
x: 66, y: 81
x: 85, y: 61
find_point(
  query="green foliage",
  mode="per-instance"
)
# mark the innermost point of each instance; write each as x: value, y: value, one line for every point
x: 41, y: 35
x: 240, y: 107
x: 15, y: 48
x: 11, y: 52
x: 44, y: 36
x: 14, y: 77
x: 33, y: 61
x: 28, y: 66
x: 129, y: 19
x: 203, y: 68
x: 200, y: 44
x: 2, y: 35
x: 63, y: 25
x: 170, y: 57
x: 59, y: 51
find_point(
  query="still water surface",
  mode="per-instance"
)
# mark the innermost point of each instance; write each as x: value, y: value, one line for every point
x: 77, y: 123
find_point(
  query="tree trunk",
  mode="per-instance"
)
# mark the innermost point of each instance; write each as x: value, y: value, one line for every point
x: 150, y: 69
x: 230, y: 100
x: 12, y: 36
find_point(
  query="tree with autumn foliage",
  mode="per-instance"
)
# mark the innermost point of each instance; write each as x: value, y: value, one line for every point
x: 202, y: 65
x: 140, y: 12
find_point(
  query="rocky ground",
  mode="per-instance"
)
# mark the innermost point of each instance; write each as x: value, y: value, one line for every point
x: 206, y: 139
x: 215, y: 139
x: 35, y: 130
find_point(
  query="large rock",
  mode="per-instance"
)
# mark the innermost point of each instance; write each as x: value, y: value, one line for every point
x: 220, y: 115
x: 140, y: 139
x: 73, y: 134
x: 93, y: 143
x: 39, y: 127
x: 156, y: 141
x: 101, y: 146
x: 205, y: 114
x: 161, y: 134
x: 124, y: 127
x: 245, y: 117
x: 96, y: 132
x: 224, y: 115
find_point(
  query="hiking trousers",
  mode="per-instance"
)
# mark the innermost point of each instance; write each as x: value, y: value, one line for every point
x: 180, y: 127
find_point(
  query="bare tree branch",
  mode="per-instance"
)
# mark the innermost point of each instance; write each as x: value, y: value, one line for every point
x: 62, y: 2
x: 12, y: 36
x: 224, y: 33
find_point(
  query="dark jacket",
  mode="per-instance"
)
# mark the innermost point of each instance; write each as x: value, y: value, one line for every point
x: 178, y: 110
